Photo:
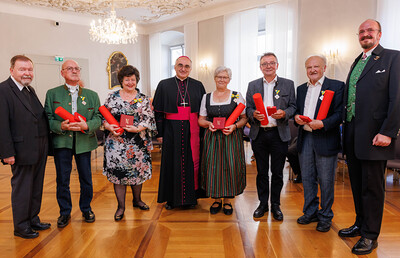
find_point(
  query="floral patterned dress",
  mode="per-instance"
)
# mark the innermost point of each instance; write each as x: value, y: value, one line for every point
x: 127, y: 159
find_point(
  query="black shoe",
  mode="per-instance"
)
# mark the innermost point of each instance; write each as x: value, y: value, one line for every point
x: 352, y: 231
x: 260, y: 211
x: 63, y: 220
x: 305, y: 219
x: 27, y: 233
x: 89, y: 216
x: 40, y: 226
x: 215, y: 209
x: 169, y: 206
x: 364, y: 246
x: 297, y: 180
x: 118, y: 217
x: 324, y: 226
x: 276, y: 212
x: 228, y: 211
x: 144, y: 207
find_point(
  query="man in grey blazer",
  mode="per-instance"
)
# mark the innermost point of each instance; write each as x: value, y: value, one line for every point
x: 273, y: 138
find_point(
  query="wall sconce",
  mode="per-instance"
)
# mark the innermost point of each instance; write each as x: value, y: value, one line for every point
x: 205, y: 64
x: 332, y: 55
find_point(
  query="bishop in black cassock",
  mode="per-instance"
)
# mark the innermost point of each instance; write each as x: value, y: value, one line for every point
x: 176, y: 105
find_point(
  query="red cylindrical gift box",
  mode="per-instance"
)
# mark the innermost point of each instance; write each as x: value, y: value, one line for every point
x: 260, y: 107
x: 64, y: 114
x: 235, y: 114
x: 110, y: 118
x: 325, y: 104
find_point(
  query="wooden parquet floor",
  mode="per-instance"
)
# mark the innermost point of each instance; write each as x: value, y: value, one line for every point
x: 189, y: 233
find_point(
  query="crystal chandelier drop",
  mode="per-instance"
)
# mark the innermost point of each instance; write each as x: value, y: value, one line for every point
x: 113, y: 30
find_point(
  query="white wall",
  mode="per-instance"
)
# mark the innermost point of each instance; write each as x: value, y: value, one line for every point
x: 325, y: 24
x: 211, y: 47
x: 34, y: 36
x: 321, y: 23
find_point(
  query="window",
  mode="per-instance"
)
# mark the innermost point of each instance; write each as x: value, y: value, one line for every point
x: 174, y: 53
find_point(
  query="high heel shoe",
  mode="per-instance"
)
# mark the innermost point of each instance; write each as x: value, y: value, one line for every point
x: 118, y: 217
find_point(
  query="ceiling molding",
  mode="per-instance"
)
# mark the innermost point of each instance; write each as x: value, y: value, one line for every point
x: 221, y: 7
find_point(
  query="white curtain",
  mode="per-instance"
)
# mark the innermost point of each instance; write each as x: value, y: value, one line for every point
x: 388, y: 16
x: 155, y: 61
x: 240, y: 40
x: 281, y: 35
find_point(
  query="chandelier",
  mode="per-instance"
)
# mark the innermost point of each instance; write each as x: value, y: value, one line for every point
x: 113, y: 30
x: 158, y: 8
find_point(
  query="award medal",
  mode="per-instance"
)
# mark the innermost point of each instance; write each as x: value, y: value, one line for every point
x: 277, y: 92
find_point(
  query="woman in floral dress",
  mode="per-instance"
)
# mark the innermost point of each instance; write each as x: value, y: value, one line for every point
x: 127, y: 159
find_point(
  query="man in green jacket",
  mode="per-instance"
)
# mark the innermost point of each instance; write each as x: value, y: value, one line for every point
x: 71, y: 138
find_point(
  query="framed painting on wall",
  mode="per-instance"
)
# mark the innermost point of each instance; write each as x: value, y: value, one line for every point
x: 115, y: 62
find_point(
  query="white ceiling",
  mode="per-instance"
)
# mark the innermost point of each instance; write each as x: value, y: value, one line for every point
x: 132, y: 14
x: 207, y: 11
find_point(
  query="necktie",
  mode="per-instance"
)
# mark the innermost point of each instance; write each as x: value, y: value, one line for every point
x: 364, y: 56
x: 27, y: 95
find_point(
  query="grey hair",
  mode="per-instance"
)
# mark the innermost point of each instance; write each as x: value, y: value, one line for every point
x: 222, y: 68
x: 268, y: 54
x: 323, y: 58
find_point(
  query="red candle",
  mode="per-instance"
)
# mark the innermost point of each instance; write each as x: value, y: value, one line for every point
x: 325, y: 104
x: 260, y: 107
x: 64, y: 114
x: 235, y: 114
x: 110, y: 118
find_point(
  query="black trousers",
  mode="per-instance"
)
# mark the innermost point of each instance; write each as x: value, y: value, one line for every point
x: 27, y: 189
x: 268, y: 142
x: 367, y: 178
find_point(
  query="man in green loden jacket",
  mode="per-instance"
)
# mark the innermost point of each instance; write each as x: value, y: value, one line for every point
x: 71, y: 138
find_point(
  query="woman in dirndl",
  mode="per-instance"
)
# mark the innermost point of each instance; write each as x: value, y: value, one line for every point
x: 223, y: 164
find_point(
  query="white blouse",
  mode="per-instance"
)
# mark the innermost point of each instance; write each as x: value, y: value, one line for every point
x: 203, y: 110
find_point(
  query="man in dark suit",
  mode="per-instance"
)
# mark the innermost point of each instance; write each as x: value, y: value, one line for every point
x: 24, y: 145
x: 318, y: 142
x: 273, y: 138
x: 371, y: 125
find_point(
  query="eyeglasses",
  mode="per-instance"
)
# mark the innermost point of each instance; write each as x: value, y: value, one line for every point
x: 70, y: 69
x: 370, y: 30
x: 268, y: 64
x: 180, y: 66
x: 225, y: 78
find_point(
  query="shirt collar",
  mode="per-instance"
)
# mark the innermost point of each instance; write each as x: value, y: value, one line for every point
x: 369, y: 51
x: 272, y: 82
x: 179, y: 79
x: 319, y: 82
x: 72, y: 89
x: 19, y: 85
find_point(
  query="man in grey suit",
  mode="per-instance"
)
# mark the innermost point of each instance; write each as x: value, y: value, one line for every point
x: 273, y: 138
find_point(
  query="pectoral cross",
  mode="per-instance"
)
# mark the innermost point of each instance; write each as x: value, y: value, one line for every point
x: 184, y: 104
